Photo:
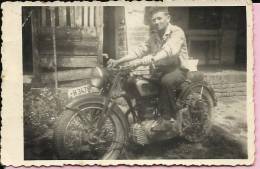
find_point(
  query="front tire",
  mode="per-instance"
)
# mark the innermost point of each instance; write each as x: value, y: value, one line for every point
x: 75, y: 135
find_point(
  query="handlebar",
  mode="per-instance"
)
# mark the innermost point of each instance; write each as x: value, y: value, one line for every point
x: 118, y: 68
x: 153, y: 64
x: 134, y: 71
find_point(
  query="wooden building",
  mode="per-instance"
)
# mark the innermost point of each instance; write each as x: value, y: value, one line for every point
x: 62, y: 44
x: 66, y: 41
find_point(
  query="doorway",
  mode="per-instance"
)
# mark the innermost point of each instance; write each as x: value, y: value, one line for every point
x: 109, y: 32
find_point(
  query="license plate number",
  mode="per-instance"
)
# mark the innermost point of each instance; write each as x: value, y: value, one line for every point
x: 78, y: 91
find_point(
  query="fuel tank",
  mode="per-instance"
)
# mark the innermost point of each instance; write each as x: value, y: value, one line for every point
x: 146, y: 87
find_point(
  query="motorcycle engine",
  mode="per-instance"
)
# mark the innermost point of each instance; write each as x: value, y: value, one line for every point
x: 143, y: 134
x: 138, y: 134
x: 147, y: 107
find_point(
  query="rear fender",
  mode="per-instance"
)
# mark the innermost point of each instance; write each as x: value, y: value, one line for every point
x: 206, y: 86
x: 78, y: 102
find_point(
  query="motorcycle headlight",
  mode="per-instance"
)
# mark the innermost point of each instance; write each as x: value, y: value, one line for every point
x: 98, y: 80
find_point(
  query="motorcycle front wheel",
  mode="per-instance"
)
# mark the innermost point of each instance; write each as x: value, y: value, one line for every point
x: 77, y: 137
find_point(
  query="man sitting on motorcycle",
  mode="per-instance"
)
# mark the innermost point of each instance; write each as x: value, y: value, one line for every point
x: 167, y: 48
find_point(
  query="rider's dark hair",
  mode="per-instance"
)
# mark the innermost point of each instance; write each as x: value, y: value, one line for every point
x: 156, y: 9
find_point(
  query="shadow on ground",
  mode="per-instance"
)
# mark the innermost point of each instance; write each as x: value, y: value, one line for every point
x: 216, y: 146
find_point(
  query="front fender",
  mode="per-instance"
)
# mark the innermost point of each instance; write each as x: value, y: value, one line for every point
x: 78, y: 102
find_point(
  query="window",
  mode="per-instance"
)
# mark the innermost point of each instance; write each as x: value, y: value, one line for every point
x: 205, y: 18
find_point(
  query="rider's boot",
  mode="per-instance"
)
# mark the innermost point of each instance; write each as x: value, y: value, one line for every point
x: 164, y: 123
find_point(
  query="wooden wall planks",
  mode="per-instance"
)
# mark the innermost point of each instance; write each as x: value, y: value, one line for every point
x: 68, y: 34
x: 91, y: 16
x: 43, y: 16
x: 79, y: 43
x: 69, y: 75
x: 86, y: 16
x: 62, y: 16
x: 69, y: 48
x: 72, y: 16
x: 69, y: 61
x: 80, y: 16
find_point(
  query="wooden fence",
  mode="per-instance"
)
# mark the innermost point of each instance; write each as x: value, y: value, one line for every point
x: 77, y: 32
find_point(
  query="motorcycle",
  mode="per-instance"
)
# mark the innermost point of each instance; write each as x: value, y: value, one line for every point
x: 93, y: 126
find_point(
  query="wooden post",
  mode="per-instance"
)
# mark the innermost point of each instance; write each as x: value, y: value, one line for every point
x: 86, y: 21
x: 92, y: 15
x: 99, y: 26
x: 54, y: 46
x: 43, y: 15
x: 35, y: 52
x: 78, y: 16
x: 62, y: 16
x: 120, y: 33
x: 72, y: 16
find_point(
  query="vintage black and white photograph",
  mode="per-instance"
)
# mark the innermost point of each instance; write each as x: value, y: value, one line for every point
x: 136, y: 82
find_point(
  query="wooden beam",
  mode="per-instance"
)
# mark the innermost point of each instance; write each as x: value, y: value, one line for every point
x: 68, y: 75
x: 74, y: 43
x: 43, y: 15
x: 48, y: 17
x: 78, y: 16
x: 53, y: 25
x: 86, y: 19
x: 72, y: 16
x: 62, y: 16
x: 99, y: 15
x: 35, y: 52
x: 68, y: 34
x: 69, y: 48
x: 91, y: 16
x: 70, y: 62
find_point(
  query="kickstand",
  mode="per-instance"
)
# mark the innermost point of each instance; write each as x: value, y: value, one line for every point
x: 127, y: 154
x: 124, y: 153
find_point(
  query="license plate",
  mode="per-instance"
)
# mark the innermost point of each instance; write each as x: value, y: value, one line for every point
x: 78, y: 91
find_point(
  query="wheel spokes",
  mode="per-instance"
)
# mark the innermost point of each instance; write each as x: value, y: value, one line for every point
x: 196, y: 118
x: 84, y: 139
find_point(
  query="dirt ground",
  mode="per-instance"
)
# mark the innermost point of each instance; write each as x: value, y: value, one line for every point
x: 226, y: 141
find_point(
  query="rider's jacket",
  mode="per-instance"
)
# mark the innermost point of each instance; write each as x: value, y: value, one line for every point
x: 173, y: 40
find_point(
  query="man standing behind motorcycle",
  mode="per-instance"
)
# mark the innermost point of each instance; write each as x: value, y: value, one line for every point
x: 167, y: 49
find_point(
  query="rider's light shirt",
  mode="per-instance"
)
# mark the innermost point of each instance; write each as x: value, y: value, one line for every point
x: 173, y: 40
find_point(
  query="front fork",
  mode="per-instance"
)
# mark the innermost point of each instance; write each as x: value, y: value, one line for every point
x: 108, y: 103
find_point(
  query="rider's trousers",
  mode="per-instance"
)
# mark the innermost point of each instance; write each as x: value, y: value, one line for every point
x: 169, y: 83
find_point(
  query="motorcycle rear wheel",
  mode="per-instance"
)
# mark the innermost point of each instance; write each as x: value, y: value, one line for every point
x: 196, y: 121
x: 75, y: 139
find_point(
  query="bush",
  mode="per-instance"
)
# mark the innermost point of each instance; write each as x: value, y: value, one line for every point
x: 41, y: 108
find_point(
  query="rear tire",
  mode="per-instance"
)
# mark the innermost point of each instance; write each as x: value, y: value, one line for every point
x: 202, y: 108
x: 87, y: 140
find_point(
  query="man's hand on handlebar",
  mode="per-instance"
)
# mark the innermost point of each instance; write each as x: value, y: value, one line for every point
x: 147, y: 60
x: 133, y: 64
x: 112, y: 63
